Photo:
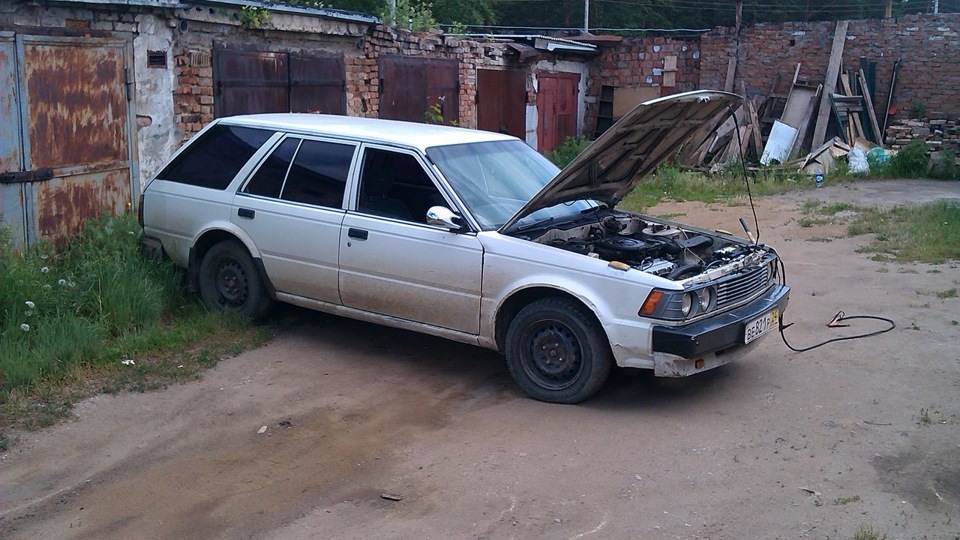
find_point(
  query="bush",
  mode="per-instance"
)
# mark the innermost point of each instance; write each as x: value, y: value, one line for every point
x: 945, y: 166
x: 910, y: 162
x: 570, y: 148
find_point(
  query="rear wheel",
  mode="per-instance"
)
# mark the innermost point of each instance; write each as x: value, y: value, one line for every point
x: 230, y: 281
x: 557, y: 351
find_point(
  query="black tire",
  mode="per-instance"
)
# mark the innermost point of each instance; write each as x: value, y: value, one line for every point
x: 557, y: 352
x: 230, y: 281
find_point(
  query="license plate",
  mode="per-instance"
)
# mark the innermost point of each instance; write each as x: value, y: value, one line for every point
x: 760, y: 326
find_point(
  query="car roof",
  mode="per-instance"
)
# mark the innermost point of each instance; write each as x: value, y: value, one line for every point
x: 395, y: 132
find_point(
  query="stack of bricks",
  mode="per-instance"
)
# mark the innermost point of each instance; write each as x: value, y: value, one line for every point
x: 943, y: 133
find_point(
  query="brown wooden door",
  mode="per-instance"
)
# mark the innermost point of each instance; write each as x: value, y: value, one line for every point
x: 248, y: 82
x: 410, y: 86
x: 556, y: 109
x: 317, y: 84
x: 502, y: 101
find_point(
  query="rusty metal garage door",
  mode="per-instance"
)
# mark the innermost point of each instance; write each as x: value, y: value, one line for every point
x: 66, y: 146
x: 556, y: 108
x: 260, y: 82
x: 410, y: 86
x: 502, y: 101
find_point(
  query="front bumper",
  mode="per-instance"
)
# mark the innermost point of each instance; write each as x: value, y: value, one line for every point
x: 711, y: 340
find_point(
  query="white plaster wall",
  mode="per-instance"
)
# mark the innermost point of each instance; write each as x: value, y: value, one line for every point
x: 156, y: 129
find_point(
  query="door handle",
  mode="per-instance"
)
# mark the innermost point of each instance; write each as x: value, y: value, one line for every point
x: 246, y: 213
x: 359, y: 234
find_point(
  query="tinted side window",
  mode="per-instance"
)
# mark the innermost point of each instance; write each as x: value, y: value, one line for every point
x: 319, y: 174
x: 268, y: 180
x: 217, y: 157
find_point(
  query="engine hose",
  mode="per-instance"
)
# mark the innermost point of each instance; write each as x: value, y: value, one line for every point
x: 682, y: 270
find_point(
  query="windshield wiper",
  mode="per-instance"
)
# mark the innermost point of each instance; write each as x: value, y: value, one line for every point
x: 520, y: 228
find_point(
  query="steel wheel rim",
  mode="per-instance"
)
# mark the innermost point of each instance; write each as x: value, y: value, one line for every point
x: 553, y: 357
x: 231, y: 283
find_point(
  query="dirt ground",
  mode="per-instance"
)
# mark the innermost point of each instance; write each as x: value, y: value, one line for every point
x: 303, y: 437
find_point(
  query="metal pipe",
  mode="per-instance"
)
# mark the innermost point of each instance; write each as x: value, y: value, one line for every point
x: 586, y: 16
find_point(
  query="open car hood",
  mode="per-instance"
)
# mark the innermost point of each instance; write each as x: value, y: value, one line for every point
x: 630, y: 150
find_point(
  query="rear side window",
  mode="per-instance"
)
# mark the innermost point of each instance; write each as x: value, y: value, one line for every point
x: 319, y: 174
x: 268, y: 180
x: 216, y: 158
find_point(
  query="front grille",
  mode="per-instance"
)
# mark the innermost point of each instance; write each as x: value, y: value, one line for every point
x: 738, y: 288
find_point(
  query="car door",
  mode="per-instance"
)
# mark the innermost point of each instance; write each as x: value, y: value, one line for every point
x: 392, y: 262
x: 292, y: 208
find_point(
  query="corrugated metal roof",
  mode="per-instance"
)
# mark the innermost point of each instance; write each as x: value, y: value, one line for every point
x: 544, y: 43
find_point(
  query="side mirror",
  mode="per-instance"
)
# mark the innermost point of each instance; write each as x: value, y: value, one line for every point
x: 441, y: 216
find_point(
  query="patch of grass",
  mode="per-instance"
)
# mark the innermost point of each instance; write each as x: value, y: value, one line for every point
x: 925, y: 416
x: 807, y: 222
x: 928, y: 233
x: 670, y: 182
x: 840, y: 501
x: 71, y: 316
x: 949, y: 293
x: 867, y: 532
x: 824, y: 239
x: 835, y: 208
x: 809, y: 206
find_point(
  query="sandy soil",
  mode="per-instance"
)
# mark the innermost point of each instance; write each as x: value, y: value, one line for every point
x: 303, y: 437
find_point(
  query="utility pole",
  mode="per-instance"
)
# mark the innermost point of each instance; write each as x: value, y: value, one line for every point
x: 586, y: 16
x: 393, y: 12
x: 936, y: 7
x: 888, y: 13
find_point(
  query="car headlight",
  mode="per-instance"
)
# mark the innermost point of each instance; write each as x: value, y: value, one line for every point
x: 705, y: 298
x: 686, y: 304
x: 678, y: 305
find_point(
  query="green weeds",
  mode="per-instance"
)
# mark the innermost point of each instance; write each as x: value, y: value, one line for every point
x: 97, y: 315
x: 928, y: 233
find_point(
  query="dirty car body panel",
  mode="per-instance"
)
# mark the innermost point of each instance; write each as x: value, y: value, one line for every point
x: 472, y: 236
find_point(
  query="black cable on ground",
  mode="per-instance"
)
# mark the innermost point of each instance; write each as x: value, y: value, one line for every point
x: 840, y: 316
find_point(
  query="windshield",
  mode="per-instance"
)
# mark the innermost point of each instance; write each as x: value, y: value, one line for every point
x: 495, y: 179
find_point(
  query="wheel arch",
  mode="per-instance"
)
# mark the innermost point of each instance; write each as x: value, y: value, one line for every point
x: 522, y: 297
x: 211, y: 237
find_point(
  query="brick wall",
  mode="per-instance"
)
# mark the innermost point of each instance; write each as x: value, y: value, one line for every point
x: 928, y: 44
x: 363, y: 74
x: 639, y: 62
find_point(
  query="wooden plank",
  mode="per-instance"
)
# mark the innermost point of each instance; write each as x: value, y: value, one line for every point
x: 731, y: 71
x: 833, y: 70
x: 843, y: 106
x: 870, y: 112
x: 893, y: 85
x: 804, y: 126
x: 755, y: 122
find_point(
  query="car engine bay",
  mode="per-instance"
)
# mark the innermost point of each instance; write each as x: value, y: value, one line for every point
x: 658, y: 248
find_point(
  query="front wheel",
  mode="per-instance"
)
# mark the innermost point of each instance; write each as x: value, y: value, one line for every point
x: 557, y: 351
x: 229, y: 281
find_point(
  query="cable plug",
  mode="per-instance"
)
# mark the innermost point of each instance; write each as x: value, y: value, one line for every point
x: 835, y: 322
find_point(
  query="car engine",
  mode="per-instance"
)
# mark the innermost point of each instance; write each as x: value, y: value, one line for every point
x: 657, y: 248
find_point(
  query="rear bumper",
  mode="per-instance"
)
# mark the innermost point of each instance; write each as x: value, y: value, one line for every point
x: 152, y: 248
x: 716, y: 336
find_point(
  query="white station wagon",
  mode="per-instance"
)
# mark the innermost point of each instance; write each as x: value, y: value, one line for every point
x: 467, y: 235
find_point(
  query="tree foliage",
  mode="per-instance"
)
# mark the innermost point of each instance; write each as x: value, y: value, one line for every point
x: 640, y: 14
